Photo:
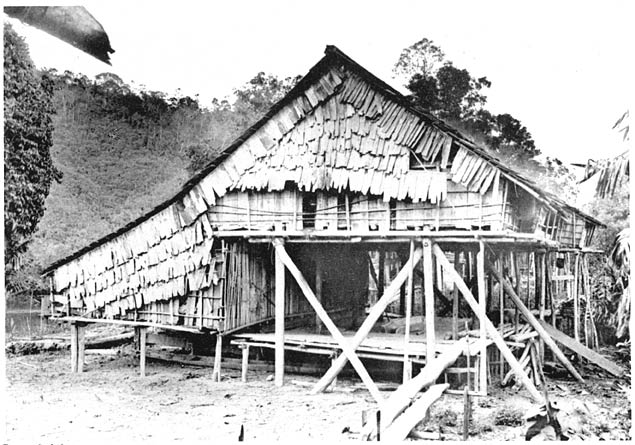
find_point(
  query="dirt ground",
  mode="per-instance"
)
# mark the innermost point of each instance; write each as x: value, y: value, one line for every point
x: 110, y: 402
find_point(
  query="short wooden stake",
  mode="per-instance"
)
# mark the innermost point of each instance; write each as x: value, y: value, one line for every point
x: 142, y: 349
x: 216, y: 374
x: 245, y: 364
x: 466, y: 412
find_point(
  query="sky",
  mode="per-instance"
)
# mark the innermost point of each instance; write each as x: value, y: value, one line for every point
x: 563, y: 68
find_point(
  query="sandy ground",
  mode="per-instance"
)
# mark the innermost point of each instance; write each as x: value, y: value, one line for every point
x: 110, y: 402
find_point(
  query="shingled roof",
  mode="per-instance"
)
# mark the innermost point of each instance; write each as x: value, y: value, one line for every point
x: 318, y: 78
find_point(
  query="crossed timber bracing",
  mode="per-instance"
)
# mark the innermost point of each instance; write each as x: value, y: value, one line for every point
x: 426, y: 250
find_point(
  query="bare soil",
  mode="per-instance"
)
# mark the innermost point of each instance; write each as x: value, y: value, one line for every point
x: 110, y: 402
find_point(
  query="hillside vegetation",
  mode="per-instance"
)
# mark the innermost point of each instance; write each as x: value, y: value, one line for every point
x: 123, y: 152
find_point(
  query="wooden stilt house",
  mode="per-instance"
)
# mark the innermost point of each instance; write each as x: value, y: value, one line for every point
x: 297, y: 221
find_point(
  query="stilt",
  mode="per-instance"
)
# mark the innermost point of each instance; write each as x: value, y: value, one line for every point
x: 318, y: 291
x: 279, y: 315
x: 245, y: 363
x: 142, y: 350
x: 455, y: 300
x: 381, y: 273
x: 501, y: 313
x: 81, y: 345
x: 576, y: 299
x: 482, y: 303
x: 428, y: 285
x: 543, y: 300
x: 74, y: 344
x: 407, y: 364
x: 216, y: 373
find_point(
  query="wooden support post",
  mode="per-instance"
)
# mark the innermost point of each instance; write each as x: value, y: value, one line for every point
x: 279, y: 317
x: 381, y: 273
x: 491, y: 329
x: 245, y: 363
x: 216, y: 373
x: 543, y: 300
x: 455, y: 300
x: 328, y: 323
x: 407, y: 364
x: 482, y: 302
x: 537, y: 326
x: 81, y: 346
x: 74, y: 348
x: 318, y: 290
x: 501, y: 313
x: 142, y: 349
x: 467, y: 408
x: 374, y: 315
x: 428, y: 285
x: 576, y: 299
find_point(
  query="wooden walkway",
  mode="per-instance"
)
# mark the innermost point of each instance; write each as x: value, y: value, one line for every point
x: 379, y: 346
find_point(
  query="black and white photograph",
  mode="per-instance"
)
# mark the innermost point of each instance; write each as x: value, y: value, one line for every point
x: 333, y: 221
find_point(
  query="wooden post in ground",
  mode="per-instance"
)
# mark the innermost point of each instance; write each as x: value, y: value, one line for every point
x: 375, y: 313
x: 216, y: 373
x: 142, y: 349
x: 543, y: 300
x: 245, y: 363
x: 81, y: 346
x: 491, y: 329
x: 74, y: 344
x: 279, y: 317
x: 318, y: 290
x: 381, y: 273
x: 501, y: 313
x: 407, y: 364
x: 429, y: 298
x: 455, y: 300
x: 576, y: 299
x: 482, y: 303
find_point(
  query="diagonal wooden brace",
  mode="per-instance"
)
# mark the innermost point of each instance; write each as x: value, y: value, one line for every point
x: 535, y: 324
x: 489, y: 326
x: 337, y: 335
x: 389, y: 296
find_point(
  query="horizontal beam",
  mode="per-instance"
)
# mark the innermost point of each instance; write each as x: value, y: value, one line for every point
x: 345, y: 234
x: 131, y: 323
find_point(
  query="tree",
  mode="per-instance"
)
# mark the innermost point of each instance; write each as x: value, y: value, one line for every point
x: 29, y: 169
x: 454, y: 95
x: 422, y: 57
